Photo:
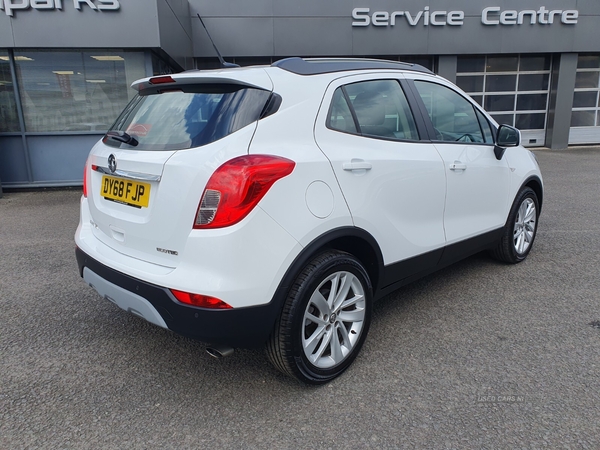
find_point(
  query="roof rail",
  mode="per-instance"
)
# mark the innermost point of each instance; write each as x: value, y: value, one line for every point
x: 316, y: 66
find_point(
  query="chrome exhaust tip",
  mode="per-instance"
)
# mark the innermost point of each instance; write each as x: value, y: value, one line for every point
x: 219, y: 352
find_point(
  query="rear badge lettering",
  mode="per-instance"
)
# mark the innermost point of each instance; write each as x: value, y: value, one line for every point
x: 168, y: 252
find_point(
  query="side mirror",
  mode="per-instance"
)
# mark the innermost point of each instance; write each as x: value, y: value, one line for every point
x: 507, y: 136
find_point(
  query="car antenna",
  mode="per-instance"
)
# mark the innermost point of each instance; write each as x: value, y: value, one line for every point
x: 224, y: 63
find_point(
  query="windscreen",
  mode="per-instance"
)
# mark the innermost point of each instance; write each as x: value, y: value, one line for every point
x: 191, y: 116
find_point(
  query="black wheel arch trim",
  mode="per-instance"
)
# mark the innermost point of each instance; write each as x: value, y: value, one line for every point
x: 333, y: 239
x: 536, y: 184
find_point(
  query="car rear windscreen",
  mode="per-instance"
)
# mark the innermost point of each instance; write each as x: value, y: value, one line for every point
x: 191, y: 116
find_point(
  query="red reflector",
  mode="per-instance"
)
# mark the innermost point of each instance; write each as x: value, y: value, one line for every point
x: 161, y: 80
x: 85, y: 177
x: 202, y: 301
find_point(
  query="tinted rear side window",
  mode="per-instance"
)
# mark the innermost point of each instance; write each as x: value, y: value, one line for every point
x: 380, y: 108
x: 192, y: 117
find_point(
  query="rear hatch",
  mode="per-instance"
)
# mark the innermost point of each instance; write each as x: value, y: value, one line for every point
x: 146, y: 176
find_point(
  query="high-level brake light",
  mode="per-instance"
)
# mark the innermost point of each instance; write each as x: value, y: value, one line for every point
x: 161, y: 80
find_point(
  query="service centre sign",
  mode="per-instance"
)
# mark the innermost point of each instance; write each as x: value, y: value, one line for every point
x: 493, y: 15
x: 10, y: 6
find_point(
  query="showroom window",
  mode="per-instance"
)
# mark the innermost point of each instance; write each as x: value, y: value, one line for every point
x: 65, y: 91
x: 514, y: 89
x: 585, y: 118
x: 585, y: 97
x: 9, y: 121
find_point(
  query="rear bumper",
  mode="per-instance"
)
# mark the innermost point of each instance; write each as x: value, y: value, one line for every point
x: 239, y: 327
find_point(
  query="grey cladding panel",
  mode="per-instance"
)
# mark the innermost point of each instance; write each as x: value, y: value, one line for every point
x: 390, y: 41
x: 312, y: 37
x: 179, y: 7
x: 234, y: 36
x: 591, y: 7
x: 587, y: 38
x: 499, y: 39
x: 173, y: 36
x: 470, y: 7
x: 532, y: 40
x: 457, y: 40
x: 6, y: 35
x: 71, y: 28
x: 181, y: 10
x: 232, y: 8
x: 315, y: 8
x: 313, y: 27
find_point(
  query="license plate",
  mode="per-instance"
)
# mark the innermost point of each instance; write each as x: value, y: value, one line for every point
x: 127, y: 192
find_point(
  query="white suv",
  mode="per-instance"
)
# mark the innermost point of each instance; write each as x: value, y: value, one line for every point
x: 272, y: 205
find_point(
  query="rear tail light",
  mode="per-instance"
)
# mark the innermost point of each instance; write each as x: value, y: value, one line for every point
x: 199, y: 300
x: 85, y: 179
x: 236, y: 187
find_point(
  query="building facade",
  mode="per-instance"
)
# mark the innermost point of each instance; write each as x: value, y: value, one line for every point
x: 66, y: 65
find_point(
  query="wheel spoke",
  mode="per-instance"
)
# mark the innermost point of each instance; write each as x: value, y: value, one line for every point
x: 336, y: 347
x: 345, y: 336
x: 522, y: 213
x: 326, y: 342
x: 315, y: 319
x: 335, y: 281
x: 529, y: 236
x: 530, y: 214
x: 521, y: 243
x: 319, y: 302
x: 347, y: 282
x: 351, y: 301
x: 353, y: 316
x: 311, y: 343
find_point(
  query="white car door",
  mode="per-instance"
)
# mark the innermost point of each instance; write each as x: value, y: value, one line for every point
x: 393, y: 183
x: 477, y: 183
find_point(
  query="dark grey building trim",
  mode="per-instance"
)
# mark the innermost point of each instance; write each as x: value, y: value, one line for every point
x: 19, y: 105
x: 561, y: 101
x: 447, y: 67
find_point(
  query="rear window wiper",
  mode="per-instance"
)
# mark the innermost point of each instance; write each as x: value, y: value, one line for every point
x: 122, y: 136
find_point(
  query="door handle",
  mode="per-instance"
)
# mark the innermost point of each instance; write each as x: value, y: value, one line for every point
x: 357, y: 164
x: 457, y: 165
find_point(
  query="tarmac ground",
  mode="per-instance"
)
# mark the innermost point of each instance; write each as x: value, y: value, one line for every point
x: 479, y: 355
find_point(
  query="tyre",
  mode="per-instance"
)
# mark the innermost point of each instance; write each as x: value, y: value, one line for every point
x: 520, y: 229
x: 324, y: 321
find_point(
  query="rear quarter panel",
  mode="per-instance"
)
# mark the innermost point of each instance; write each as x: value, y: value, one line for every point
x: 308, y: 202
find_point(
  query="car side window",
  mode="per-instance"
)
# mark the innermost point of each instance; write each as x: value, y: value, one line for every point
x: 380, y: 109
x: 453, y: 116
x: 340, y: 117
x: 488, y: 134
